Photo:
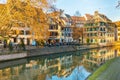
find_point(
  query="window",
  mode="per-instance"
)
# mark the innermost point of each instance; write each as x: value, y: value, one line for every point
x: 91, y: 40
x: 69, y: 35
x: 101, y: 34
x: 90, y: 29
x: 102, y: 24
x: 88, y: 34
x: 118, y: 34
x: 27, y: 32
x: 118, y: 29
x: 62, y: 34
x: 15, y: 40
x: 102, y: 40
x: 0, y: 41
x: 53, y: 27
x: 53, y: 33
x: 101, y: 29
x: 87, y: 29
x: 95, y: 34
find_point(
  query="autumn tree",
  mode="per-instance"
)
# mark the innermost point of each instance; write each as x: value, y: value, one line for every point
x: 30, y: 13
x: 78, y: 34
x: 4, y: 20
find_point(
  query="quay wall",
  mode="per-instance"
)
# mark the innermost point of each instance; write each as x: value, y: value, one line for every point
x: 50, y: 50
x: 43, y: 51
x: 12, y: 56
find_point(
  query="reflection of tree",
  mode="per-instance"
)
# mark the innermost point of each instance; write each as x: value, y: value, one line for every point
x: 41, y: 76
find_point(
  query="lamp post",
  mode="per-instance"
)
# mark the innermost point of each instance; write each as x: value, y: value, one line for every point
x: 82, y: 34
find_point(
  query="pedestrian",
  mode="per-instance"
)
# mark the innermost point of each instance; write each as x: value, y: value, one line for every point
x: 10, y: 46
x: 5, y: 43
x: 23, y: 45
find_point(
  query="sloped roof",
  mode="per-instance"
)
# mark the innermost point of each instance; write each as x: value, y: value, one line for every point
x: 97, y: 17
x: 105, y: 18
x: 67, y: 15
x: 88, y: 16
x: 79, y: 19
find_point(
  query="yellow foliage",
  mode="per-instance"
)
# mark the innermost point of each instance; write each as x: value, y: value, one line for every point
x: 28, y: 12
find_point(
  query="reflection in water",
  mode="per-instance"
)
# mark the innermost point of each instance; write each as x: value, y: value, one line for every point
x: 74, y: 66
x: 79, y: 73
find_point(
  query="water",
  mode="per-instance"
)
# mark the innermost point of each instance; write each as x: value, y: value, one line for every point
x: 63, y: 66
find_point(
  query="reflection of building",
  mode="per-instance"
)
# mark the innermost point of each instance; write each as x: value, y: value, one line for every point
x: 117, y: 51
x: 98, y: 57
x: 5, y: 74
x: 61, y: 66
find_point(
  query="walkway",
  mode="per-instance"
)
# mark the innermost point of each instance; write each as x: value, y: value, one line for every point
x: 112, y: 72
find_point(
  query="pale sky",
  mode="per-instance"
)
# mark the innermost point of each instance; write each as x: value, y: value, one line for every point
x: 107, y: 7
x: 2, y: 1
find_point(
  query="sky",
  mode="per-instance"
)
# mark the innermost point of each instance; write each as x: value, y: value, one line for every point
x: 107, y: 7
x: 2, y: 1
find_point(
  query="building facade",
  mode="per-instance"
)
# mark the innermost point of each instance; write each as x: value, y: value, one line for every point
x: 67, y: 29
x: 78, y: 24
x: 99, y: 30
x: 19, y: 33
x: 60, y: 29
x: 55, y: 31
x: 118, y: 30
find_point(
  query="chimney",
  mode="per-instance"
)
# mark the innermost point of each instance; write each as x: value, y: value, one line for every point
x: 96, y: 13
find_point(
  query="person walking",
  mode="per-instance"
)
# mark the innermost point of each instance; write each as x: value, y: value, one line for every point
x: 10, y: 46
x: 23, y: 45
x: 5, y: 43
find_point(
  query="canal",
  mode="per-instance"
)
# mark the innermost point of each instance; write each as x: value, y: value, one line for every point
x: 63, y: 66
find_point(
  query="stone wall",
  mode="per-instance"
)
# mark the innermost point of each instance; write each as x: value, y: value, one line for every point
x: 44, y: 51
x: 12, y: 56
x: 50, y: 50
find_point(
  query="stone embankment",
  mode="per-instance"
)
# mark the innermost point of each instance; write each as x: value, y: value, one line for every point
x: 50, y: 50
x: 43, y: 51
x: 13, y: 56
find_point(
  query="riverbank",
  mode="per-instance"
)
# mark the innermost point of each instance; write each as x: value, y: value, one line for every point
x: 44, y: 51
x: 109, y: 71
